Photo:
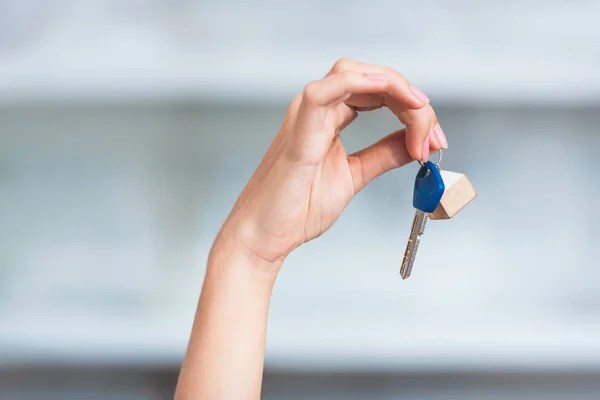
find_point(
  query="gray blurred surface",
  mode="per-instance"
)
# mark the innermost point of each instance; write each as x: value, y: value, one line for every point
x: 158, y: 383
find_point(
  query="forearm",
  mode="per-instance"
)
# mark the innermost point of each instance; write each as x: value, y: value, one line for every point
x: 225, y: 354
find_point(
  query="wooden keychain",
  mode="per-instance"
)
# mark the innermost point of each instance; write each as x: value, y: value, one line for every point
x: 458, y: 193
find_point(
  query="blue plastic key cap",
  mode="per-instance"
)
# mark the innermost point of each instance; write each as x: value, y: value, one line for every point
x: 429, y: 188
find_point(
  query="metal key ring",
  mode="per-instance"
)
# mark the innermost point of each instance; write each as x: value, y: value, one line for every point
x: 437, y: 164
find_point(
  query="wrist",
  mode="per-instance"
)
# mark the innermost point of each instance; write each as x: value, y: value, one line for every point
x: 231, y: 248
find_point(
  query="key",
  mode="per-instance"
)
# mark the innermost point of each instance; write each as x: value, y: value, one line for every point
x: 429, y: 189
x: 418, y: 227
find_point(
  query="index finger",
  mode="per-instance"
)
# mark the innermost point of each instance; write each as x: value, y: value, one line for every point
x: 400, y: 93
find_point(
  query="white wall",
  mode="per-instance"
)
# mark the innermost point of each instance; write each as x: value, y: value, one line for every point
x: 535, y: 51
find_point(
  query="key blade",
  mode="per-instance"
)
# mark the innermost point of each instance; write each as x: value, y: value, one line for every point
x: 408, y: 253
x: 417, y: 229
x: 404, y: 273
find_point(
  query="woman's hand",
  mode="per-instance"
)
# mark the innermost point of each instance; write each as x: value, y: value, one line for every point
x: 306, y: 179
x: 300, y: 188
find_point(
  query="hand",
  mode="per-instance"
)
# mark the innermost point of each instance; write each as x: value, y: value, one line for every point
x: 300, y: 188
x: 306, y: 179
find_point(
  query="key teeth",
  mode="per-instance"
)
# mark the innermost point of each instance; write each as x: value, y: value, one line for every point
x: 413, y: 256
x: 425, y: 219
x: 417, y: 230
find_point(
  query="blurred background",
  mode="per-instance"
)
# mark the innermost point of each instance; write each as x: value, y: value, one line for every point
x: 128, y: 127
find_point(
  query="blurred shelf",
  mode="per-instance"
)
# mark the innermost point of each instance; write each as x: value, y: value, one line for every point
x: 276, y: 76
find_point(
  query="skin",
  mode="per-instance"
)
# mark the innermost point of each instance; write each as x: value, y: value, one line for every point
x: 298, y: 191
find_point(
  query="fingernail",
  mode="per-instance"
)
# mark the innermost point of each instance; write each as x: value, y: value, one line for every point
x: 418, y: 93
x: 439, y: 134
x: 425, y: 150
x: 377, y: 77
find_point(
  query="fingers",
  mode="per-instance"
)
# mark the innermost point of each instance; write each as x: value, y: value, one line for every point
x: 366, y: 87
x: 382, y: 156
x: 386, y: 154
x: 402, y: 91
x: 418, y: 125
x: 338, y: 87
x: 423, y: 132
x: 407, y: 102
x: 314, y: 111
x: 436, y: 135
x: 433, y: 138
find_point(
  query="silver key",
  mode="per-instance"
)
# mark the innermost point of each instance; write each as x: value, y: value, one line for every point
x: 418, y: 227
